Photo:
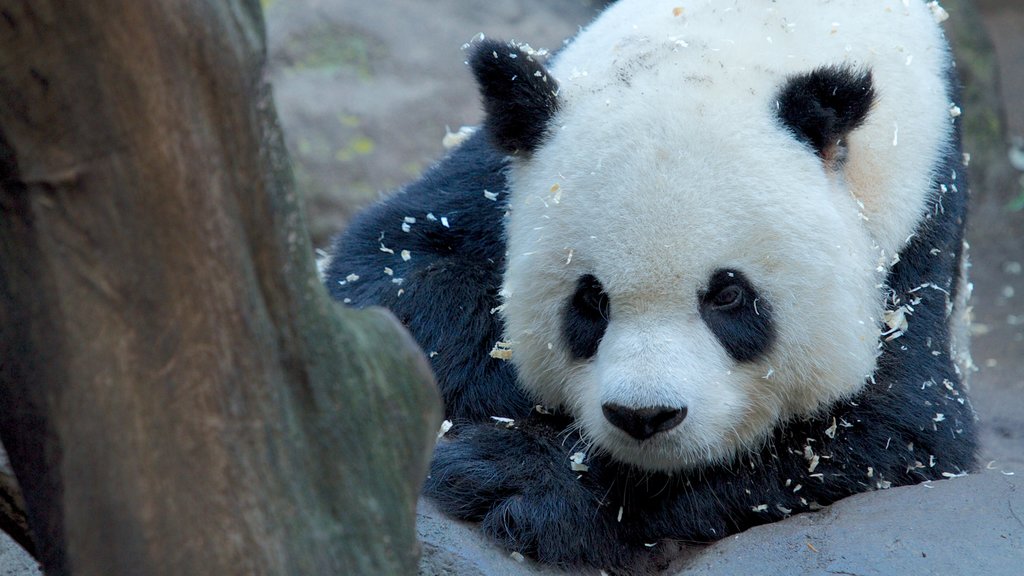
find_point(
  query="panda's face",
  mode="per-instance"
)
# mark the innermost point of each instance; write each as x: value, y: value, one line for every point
x: 703, y: 207
x: 681, y: 300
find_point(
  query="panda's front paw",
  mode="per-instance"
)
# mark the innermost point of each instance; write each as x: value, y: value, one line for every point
x: 522, y: 486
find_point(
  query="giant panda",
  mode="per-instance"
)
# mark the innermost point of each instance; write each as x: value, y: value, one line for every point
x: 696, y: 275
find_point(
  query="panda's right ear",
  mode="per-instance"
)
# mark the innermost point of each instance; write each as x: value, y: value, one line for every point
x: 823, y: 106
x: 519, y: 96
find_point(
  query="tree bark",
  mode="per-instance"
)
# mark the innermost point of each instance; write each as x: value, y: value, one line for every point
x: 177, y: 393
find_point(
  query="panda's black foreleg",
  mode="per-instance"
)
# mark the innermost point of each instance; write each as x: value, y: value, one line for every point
x: 520, y: 484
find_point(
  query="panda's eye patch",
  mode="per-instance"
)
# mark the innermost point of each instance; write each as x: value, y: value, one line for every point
x: 738, y: 316
x: 586, y: 317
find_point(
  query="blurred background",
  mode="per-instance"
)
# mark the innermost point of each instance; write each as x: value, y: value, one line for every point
x: 367, y: 89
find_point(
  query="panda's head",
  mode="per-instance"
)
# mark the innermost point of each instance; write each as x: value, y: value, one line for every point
x: 686, y: 265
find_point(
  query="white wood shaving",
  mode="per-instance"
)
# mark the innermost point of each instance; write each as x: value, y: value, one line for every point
x: 508, y: 422
x: 445, y: 427
x: 406, y: 228
x: 444, y: 221
x: 517, y: 557
x: 431, y: 217
x: 491, y: 195
x: 576, y: 462
x: 502, y: 351
x: 831, y: 430
x: 813, y: 463
x: 406, y: 255
x: 760, y: 508
x: 389, y: 271
x: 453, y: 139
x: 938, y: 12
x: 352, y: 277
x: 619, y: 519
x: 954, y: 111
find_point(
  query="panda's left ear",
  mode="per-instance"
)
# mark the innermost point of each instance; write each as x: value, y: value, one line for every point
x: 822, y: 106
x: 519, y: 96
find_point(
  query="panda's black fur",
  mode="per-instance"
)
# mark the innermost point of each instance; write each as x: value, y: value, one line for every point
x: 516, y: 480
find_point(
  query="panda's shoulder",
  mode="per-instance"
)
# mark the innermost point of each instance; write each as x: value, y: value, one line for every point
x: 453, y: 213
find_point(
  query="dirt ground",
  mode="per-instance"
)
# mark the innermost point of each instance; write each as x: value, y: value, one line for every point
x: 367, y: 89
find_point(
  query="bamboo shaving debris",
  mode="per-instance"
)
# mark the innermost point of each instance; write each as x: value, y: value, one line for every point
x: 896, y: 320
x: 508, y: 422
x: 502, y: 350
x: 445, y: 427
x: 453, y: 139
x: 831, y: 430
x: 517, y: 557
x: 938, y: 13
x: 760, y: 508
x: 576, y: 462
x: 406, y: 255
x: 491, y: 195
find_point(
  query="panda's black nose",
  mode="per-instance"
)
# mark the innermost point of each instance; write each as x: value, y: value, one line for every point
x: 642, y: 423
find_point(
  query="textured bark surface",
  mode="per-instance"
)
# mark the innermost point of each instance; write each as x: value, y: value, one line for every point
x: 177, y: 393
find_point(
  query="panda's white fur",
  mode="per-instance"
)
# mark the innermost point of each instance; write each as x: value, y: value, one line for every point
x: 667, y: 114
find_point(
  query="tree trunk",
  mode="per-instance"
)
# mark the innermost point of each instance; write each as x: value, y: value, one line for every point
x: 177, y: 393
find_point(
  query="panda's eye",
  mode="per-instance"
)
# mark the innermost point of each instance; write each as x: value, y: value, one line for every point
x: 728, y: 298
x: 738, y: 316
x: 586, y: 317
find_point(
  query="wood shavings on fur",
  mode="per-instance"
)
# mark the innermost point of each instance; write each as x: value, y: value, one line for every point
x: 445, y: 427
x: 502, y: 351
x: 576, y: 462
x: 831, y: 430
x: 938, y: 12
x: 453, y: 139
x: 896, y: 320
x: 508, y: 422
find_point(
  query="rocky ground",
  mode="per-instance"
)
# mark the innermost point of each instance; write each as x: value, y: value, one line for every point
x: 366, y: 90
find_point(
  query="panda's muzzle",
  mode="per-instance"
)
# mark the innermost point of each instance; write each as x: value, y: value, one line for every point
x: 642, y: 423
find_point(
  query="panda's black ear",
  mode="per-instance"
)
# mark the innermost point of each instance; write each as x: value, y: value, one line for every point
x: 519, y: 96
x: 823, y: 106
